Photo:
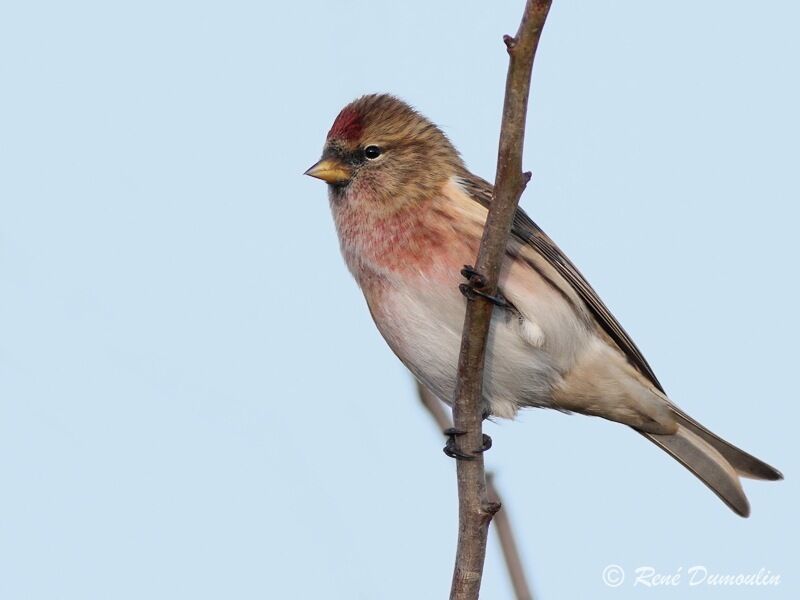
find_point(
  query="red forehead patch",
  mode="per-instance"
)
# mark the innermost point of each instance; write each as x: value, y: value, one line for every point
x: 347, y: 126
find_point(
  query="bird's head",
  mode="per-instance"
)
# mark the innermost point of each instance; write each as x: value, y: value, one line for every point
x: 382, y: 151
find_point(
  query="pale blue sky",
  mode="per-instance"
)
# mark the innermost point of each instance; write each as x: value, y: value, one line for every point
x: 194, y: 402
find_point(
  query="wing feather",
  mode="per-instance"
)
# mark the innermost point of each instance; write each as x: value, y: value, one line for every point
x: 528, y: 232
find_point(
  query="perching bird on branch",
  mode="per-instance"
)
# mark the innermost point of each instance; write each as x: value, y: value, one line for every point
x: 409, y: 215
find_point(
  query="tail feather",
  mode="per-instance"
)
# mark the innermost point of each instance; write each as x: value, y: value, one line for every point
x: 746, y: 465
x: 707, y: 463
x: 714, y: 461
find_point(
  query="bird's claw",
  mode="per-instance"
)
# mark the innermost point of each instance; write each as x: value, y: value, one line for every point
x: 474, y: 277
x: 470, y: 292
x: 452, y: 451
x: 477, y: 281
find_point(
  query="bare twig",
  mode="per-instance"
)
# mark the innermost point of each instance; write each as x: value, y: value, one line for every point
x: 435, y: 407
x: 502, y: 523
x: 502, y: 526
x: 475, y: 509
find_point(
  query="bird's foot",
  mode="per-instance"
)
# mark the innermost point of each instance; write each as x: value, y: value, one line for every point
x: 475, y: 287
x: 452, y: 451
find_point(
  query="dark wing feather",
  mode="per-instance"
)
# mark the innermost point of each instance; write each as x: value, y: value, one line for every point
x: 528, y: 232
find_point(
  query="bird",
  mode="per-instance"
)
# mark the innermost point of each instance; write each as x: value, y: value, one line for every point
x: 409, y: 216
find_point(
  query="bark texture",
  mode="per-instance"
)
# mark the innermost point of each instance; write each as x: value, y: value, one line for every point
x: 475, y: 507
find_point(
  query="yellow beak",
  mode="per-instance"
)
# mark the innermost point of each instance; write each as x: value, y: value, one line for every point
x: 331, y: 171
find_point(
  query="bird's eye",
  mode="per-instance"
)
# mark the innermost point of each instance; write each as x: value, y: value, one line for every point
x: 372, y: 152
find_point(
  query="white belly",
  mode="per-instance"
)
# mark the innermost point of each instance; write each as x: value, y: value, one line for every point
x: 423, y: 326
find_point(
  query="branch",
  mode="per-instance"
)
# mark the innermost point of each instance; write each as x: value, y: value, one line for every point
x: 502, y: 526
x: 434, y: 406
x: 475, y: 509
x: 502, y: 523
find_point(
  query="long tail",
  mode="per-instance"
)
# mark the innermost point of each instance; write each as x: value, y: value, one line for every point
x: 717, y: 463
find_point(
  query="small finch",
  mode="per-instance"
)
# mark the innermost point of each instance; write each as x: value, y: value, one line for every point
x: 409, y: 215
